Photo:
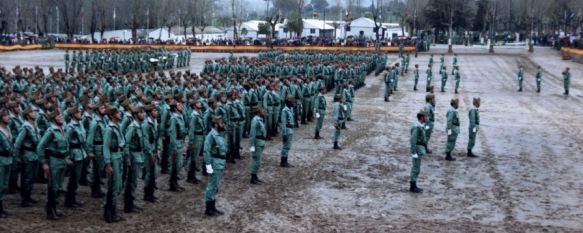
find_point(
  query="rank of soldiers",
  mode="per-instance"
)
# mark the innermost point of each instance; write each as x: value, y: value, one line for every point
x: 109, y: 129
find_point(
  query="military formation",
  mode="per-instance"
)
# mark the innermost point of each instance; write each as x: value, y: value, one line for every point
x: 124, y: 61
x: 108, y: 129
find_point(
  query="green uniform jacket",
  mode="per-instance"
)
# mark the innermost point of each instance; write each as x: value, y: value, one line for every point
x: 418, y: 140
x: 474, y: 115
x: 26, y: 142
x: 135, y: 139
x: 320, y: 105
x: 257, y: 132
x: 177, y: 130
x: 113, y: 143
x: 214, y: 144
x: 53, y: 141
x: 75, y: 134
x: 287, y: 121
x: 152, y: 137
x: 453, y: 121
x: 6, y: 147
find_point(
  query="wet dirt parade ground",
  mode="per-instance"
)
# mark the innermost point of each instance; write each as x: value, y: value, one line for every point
x: 528, y: 176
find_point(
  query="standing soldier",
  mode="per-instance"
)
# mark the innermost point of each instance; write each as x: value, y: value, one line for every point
x: 443, y: 78
x: 538, y: 78
x: 95, y: 139
x: 25, y: 149
x: 388, y: 88
x: 347, y: 100
x: 416, y: 75
x: 114, y: 146
x: 454, y: 63
x: 215, y: 152
x: 457, y: 78
x: 429, y: 110
x: 257, y: 137
x: 567, y: 80
x: 474, y: 115
x: 453, y: 128
x: 53, y: 150
x: 520, y: 75
x: 196, y: 130
x: 320, y: 110
x: 67, y: 61
x: 339, y: 109
x: 429, y: 76
x: 176, y: 133
x: 271, y: 103
x: 287, y: 129
x: 75, y: 134
x: 151, y: 146
x: 134, y: 136
x: 6, y: 150
x: 418, y: 144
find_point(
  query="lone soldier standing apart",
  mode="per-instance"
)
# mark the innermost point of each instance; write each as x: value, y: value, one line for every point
x: 520, y: 77
x: 453, y: 128
x: 443, y: 78
x: 416, y: 75
x: 215, y: 152
x: 258, y: 135
x: 320, y: 110
x: 418, y: 145
x: 538, y: 78
x: 339, y: 109
x: 429, y: 76
x: 474, y: 116
x: 287, y: 129
x: 429, y: 109
x: 457, y: 77
x: 567, y: 80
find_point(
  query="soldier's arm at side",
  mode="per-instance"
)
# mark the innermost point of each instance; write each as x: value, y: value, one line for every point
x: 40, y: 148
x: 106, y: 142
x: 252, y: 133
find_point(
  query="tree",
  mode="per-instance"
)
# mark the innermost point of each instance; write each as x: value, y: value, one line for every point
x: 319, y: 5
x: 295, y: 24
x: 71, y: 12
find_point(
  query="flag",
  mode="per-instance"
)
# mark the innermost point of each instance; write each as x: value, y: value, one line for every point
x: 114, y: 13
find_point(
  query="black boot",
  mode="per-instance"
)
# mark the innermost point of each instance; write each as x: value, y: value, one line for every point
x: 448, y: 157
x: 96, y: 191
x: 70, y: 200
x: 414, y: 188
x: 115, y: 216
x: 317, y: 135
x: 284, y: 163
x: 470, y: 154
x: 255, y: 179
x: 217, y: 212
x: 209, y: 209
x: 3, y: 213
x: 25, y: 198
x: 191, y: 177
x: 336, y: 147
x: 428, y: 150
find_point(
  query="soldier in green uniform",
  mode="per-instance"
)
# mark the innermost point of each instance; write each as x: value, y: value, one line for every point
x: 339, y: 109
x: 457, y: 78
x: 215, y: 152
x: 134, y: 136
x: 6, y: 160
x: 287, y: 130
x: 94, y: 147
x: 151, y: 146
x: 538, y: 78
x: 429, y: 109
x: 196, y: 130
x: 347, y: 100
x: 454, y: 63
x: 53, y: 151
x: 429, y: 77
x: 25, y: 150
x: 67, y: 63
x: 452, y: 128
x: 320, y: 110
x: 75, y: 135
x: 418, y: 144
x: 566, y: 80
x: 176, y: 133
x: 443, y: 78
x: 271, y: 103
x: 257, y: 137
x: 416, y: 75
x: 114, y: 146
x: 520, y: 77
x: 474, y: 116
x: 387, y: 80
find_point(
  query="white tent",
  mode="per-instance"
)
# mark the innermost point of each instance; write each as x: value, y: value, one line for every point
x: 117, y: 34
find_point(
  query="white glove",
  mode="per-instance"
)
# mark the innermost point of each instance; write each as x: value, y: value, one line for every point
x: 475, y: 129
x: 209, y: 169
x: 449, y: 132
x: 429, y: 79
x: 317, y: 115
x: 345, y: 107
x: 252, y: 149
x: 415, y: 156
x: 427, y: 127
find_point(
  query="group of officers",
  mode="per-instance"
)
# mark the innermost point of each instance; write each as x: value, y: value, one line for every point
x: 126, y: 60
x: 108, y: 129
x: 538, y: 79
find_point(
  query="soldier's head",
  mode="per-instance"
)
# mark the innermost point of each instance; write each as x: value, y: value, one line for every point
x: 4, y: 117
x: 56, y: 117
x: 259, y: 111
x: 290, y: 101
x: 454, y: 102
x: 114, y: 114
x: 75, y: 113
x: 430, y: 98
x: 338, y: 98
x: 416, y: 65
x: 323, y: 90
x: 477, y: 102
x: 422, y: 117
x: 538, y: 67
x: 101, y: 108
x: 138, y: 113
x: 29, y: 114
x: 218, y: 123
x: 567, y: 69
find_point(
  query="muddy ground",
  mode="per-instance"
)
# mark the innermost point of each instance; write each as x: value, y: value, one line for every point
x: 527, y: 178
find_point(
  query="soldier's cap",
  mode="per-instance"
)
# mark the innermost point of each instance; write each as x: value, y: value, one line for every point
x: 112, y: 111
x: 126, y: 102
x: 217, y: 119
x: 428, y: 97
x: 53, y: 115
x: 454, y: 100
x: 290, y: 98
x: 421, y: 113
x: 3, y: 113
x: 337, y: 97
x: 256, y: 109
x: 476, y: 99
x: 150, y: 108
x: 137, y: 110
x: 12, y: 104
x: 27, y: 111
x: 73, y: 110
